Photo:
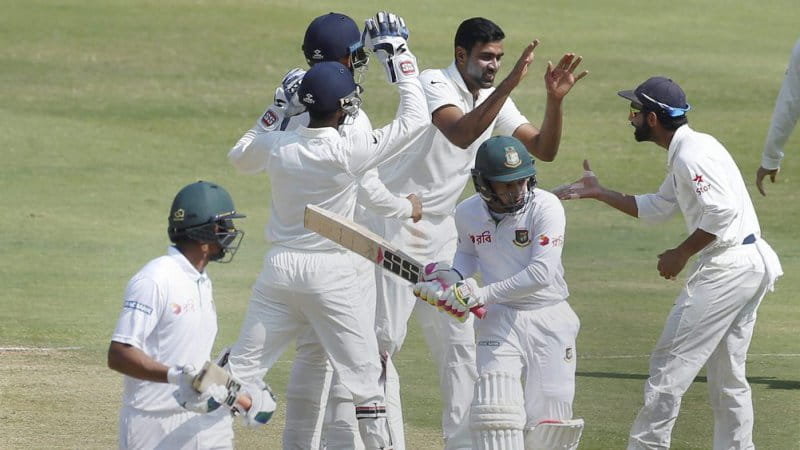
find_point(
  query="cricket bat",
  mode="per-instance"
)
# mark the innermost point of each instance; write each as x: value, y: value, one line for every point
x: 364, y: 242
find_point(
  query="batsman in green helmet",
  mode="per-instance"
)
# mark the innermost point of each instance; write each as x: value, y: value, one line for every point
x: 513, y: 234
x: 166, y: 331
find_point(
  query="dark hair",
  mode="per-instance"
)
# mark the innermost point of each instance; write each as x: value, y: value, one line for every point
x: 670, y: 123
x: 475, y: 30
x: 320, y: 116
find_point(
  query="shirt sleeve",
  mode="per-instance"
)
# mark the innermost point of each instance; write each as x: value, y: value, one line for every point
x: 373, y: 194
x: 658, y: 207
x: 709, y: 183
x: 785, y: 114
x: 545, y: 259
x: 252, y: 151
x: 509, y: 118
x: 439, y: 91
x: 367, y: 150
x: 141, y: 310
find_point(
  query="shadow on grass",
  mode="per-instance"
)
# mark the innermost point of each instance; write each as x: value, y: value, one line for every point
x: 771, y: 382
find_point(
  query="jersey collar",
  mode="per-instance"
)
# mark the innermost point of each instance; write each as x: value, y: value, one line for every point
x: 319, y: 133
x: 185, y: 265
x: 680, y: 134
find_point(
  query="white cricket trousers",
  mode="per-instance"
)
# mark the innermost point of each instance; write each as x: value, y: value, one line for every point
x: 186, y: 430
x: 537, y: 346
x: 318, y: 289
x: 315, y: 396
x: 451, y: 342
x: 711, y: 324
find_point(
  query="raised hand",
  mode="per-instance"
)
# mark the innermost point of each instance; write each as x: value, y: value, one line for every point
x: 286, y: 93
x: 588, y: 186
x: 559, y: 80
x: 386, y: 35
x: 521, y: 67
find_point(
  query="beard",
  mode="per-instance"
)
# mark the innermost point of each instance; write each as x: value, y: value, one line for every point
x: 482, y: 78
x: 643, y: 132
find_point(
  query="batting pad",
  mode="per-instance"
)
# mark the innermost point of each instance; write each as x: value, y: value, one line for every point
x: 554, y: 434
x: 497, y: 416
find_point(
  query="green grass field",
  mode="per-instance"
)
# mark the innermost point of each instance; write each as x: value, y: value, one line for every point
x: 107, y: 108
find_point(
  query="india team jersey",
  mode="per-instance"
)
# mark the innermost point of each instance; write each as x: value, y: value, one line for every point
x: 519, y: 258
x: 168, y: 312
x: 320, y: 166
x: 704, y: 183
x: 434, y: 167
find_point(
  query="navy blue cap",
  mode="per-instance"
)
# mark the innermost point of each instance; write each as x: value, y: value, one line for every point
x: 330, y: 38
x: 659, y: 94
x: 324, y: 85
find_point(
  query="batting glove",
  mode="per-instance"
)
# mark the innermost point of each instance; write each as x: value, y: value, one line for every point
x: 201, y: 403
x: 262, y: 404
x: 461, y: 297
x: 386, y: 35
x: 429, y: 291
x: 442, y: 273
x: 188, y: 397
x: 286, y: 96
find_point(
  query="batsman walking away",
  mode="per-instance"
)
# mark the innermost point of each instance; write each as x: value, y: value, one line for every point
x: 513, y: 234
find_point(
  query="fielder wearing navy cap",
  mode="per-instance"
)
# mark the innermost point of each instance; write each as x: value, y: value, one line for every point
x: 325, y: 85
x: 660, y: 95
x: 332, y: 37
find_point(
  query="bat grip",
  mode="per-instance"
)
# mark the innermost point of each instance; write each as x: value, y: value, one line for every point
x: 479, y: 311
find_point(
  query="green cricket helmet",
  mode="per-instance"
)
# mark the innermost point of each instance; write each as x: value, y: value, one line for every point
x: 204, y: 212
x: 503, y: 159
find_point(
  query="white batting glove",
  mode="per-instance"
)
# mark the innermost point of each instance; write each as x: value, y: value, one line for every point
x: 461, y: 297
x: 429, y: 291
x: 201, y: 403
x: 262, y: 404
x: 286, y: 96
x: 188, y: 397
x: 386, y: 35
x: 442, y: 273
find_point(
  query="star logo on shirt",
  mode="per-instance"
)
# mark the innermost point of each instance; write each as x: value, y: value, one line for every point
x: 698, y: 179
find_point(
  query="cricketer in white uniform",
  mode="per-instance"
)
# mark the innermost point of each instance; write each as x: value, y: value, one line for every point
x: 167, y: 327
x: 308, y: 280
x: 713, y: 318
x: 784, y: 119
x: 335, y: 37
x: 513, y: 234
x: 465, y: 111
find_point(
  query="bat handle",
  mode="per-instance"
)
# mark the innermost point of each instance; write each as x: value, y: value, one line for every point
x: 479, y: 311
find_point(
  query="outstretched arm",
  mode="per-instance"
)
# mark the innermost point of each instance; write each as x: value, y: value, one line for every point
x: 589, y: 187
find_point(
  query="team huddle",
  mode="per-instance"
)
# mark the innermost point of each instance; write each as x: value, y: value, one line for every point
x: 492, y: 301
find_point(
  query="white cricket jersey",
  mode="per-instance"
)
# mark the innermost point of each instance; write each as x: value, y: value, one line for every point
x: 372, y: 194
x: 434, y: 167
x: 704, y: 183
x: 785, y: 115
x: 519, y: 258
x: 168, y: 313
x: 320, y: 166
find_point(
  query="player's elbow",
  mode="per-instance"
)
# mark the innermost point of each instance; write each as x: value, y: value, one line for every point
x: 115, y: 356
